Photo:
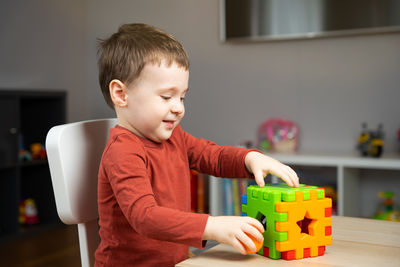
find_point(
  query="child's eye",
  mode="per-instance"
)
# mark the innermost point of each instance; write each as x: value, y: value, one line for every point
x: 182, y: 99
x: 165, y: 97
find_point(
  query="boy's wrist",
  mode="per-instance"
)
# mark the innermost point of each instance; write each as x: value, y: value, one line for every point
x: 248, y: 159
x: 207, y: 235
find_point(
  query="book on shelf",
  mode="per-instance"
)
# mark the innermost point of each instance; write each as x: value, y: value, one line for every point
x: 226, y: 195
x: 199, y: 192
x: 237, y: 204
x: 217, y: 196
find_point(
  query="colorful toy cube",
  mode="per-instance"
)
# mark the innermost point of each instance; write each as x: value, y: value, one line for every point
x: 297, y: 221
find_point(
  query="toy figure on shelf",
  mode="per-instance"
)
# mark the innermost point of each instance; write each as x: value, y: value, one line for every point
x: 370, y: 143
x: 28, y: 213
x: 386, y: 210
x: 278, y: 135
x: 38, y: 151
x: 24, y: 155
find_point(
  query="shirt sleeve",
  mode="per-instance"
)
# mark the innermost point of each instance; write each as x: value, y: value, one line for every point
x: 221, y: 161
x: 132, y: 189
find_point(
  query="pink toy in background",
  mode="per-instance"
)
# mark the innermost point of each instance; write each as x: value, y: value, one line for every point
x: 278, y: 135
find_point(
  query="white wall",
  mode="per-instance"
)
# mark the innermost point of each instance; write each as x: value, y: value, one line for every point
x: 328, y: 86
x: 43, y: 46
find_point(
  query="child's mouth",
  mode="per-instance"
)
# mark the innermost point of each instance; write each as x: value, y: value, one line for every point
x: 169, y: 124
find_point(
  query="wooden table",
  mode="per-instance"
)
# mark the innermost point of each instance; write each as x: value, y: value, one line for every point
x: 356, y: 242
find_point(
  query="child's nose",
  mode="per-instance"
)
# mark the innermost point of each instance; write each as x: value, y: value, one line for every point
x: 178, y: 107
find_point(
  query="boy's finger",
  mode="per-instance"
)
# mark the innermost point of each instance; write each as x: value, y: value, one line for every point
x: 284, y: 176
x: 290, y: 181
x: 256, y: 223
x: 256, y: 233
x: 246, y: 241
x: 259, y: 177
x: 239, y: 246
x: 289, y: 177
x: 293, y: 176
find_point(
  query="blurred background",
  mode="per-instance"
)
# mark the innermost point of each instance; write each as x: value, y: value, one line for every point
x: 328, y: 86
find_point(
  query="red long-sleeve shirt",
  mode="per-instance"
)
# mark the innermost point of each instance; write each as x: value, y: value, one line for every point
x: 144, y: 196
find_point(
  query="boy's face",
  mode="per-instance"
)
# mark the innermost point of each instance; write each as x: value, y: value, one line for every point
x: 155, y: 101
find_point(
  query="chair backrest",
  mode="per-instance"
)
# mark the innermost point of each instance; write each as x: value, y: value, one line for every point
x: 74, y: 152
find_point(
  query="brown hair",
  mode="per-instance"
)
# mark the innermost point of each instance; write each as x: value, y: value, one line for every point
x: 125, y: 53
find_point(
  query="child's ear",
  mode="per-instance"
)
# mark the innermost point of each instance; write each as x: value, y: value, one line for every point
x: 118, y: 93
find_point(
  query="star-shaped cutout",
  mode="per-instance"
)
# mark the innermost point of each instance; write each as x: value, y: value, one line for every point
x: 303, y: 224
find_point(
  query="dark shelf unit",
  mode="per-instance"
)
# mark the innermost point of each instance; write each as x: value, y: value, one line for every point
x: 25, y: 118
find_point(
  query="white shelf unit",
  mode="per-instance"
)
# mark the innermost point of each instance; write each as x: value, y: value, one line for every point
x: 350, y: 171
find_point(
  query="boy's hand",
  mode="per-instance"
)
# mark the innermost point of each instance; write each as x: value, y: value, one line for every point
x: 232, y: 230
x: 260, y: 165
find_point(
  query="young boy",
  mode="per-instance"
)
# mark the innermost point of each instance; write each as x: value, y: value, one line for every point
x: 144, y: 178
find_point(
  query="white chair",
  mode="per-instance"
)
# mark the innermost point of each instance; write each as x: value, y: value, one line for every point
x: 74, y: 151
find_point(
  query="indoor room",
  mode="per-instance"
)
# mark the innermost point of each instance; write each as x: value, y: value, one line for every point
x: 313, y: 84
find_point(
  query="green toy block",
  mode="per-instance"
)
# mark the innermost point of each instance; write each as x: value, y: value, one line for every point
x: 261, y: 205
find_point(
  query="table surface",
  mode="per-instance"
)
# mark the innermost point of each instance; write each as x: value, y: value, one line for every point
x: 356, y: 242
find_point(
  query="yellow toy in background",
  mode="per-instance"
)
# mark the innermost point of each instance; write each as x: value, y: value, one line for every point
x: 386, y: 210
x: 370, y: 143
x: 37, y: 151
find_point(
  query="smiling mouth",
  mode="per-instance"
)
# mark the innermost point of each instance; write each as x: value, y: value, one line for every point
x: 169, y: 124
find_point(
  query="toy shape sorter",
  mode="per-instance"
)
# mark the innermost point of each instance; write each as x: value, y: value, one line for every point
x: 297, y: 221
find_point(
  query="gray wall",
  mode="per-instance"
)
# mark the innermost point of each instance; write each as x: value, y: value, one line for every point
x: 328, y: 86
x: 43, y: 45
